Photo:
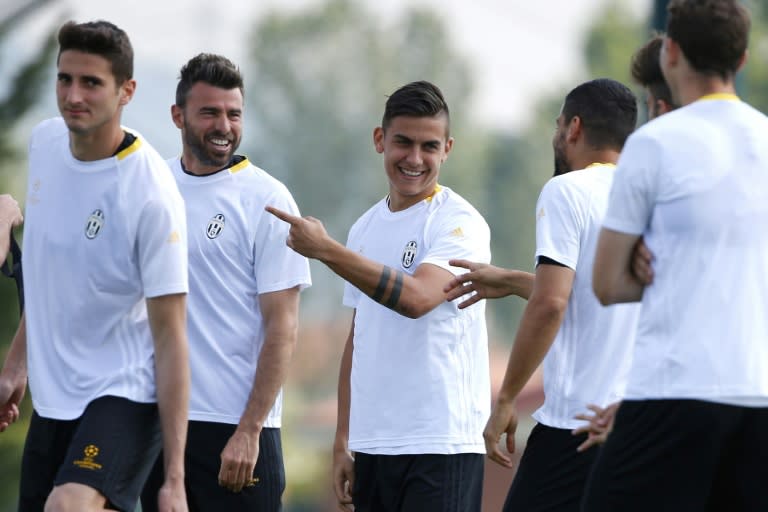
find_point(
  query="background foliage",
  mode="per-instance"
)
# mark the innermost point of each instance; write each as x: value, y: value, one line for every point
x: 317, y: 80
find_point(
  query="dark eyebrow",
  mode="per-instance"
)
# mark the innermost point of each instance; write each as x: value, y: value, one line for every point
x: 401, y: 138
x: 92, y: 79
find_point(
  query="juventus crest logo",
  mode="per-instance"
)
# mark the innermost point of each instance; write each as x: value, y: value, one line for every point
x: 409, y: 254
x: 215, y: 226
x: 94, y: 224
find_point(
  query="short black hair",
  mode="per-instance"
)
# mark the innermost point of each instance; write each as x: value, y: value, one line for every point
x: 211, y: 69
x: 607, y: 109
x: 646, y: 69
x: 713, y: 34
x: 100, y: 38
x: 416, y: 99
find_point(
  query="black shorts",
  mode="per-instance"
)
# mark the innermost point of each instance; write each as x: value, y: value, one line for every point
x: 110, y: 448
x: 551, y: 474
x: 202, y: 461
x: 673, y: 455
x: 418, y: 483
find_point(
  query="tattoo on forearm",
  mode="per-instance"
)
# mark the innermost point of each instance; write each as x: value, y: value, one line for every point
x: 394, y: 296
x: 378, y: 294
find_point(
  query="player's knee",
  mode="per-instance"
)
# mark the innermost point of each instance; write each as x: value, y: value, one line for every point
x: 74, y: 498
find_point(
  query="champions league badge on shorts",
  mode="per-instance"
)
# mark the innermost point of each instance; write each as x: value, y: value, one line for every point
x: 94, y: 224
x: 89, y: 458
x: 409, y: 254
x: 215, y: 226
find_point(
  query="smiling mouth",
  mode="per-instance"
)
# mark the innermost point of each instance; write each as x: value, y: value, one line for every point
x: 220, y: 143
x: 411, y: 174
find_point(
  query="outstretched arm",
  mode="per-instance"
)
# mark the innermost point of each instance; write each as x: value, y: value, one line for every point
x: 410, y: 295
x: 538, y: 327
x: 485, y: 281
x: 280, y: 311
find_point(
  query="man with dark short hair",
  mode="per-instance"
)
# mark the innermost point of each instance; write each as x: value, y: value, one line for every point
x: 243, y: 301
x: 691, y: 432
x: 414, y: 387
x: 103, y: 337
x: 584, y: 348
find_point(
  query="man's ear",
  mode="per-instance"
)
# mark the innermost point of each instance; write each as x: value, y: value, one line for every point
x: 574, y: 130
x: 127, y: 89
x: 448, y: 147
x: 378, y: 139
x: 177, y: 114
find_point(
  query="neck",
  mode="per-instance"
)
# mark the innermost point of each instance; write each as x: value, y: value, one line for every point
x: 595, y: 156
x: 192, y: 165
x: 693, y: 86
x: 96, y: 145
x: 398, y: 203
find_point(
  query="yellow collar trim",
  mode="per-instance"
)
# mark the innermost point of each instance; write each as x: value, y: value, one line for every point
x: 601, y: 164
x: 239, y: 166
x: 720, y: 96
x: 438, y: 188
x: 136, y: 144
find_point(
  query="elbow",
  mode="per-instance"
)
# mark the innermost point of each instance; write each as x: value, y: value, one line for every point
x: 550, y: 308
x: 603, y: 293
x: 412, y: 311
x: 414, y: 308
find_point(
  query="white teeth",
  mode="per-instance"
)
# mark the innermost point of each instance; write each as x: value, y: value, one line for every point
x: 411, y: 173
x: 220, y: 142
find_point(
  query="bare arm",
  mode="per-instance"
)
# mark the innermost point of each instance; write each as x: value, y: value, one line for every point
x: 10, y: 216
x: 538, y: 327
x: 411, y: 296
x: 487, y: 281
x: 280, y: 312
x: 612, y: 278
x: 167, y: 320
x: 343, y: 464
x: 13, y: 378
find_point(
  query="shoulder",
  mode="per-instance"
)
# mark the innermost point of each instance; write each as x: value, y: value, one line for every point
x: 46, y: 131
x: 451, y: 212
x: 258, y: 179
x: 571, y: 187
x: 366, y: 217
x: 447, y: 201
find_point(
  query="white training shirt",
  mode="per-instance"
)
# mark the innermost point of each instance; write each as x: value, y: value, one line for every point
x: 99, y: 237
x: 419, y: 385
x: 694, y: 183
x: 589, y: 360
x: 237, y: 251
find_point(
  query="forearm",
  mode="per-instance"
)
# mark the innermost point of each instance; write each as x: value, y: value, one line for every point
x: 5, y: 240
x: 271, y: 372
x: 342, y: 414
x: 612, y: 278
x: 538, y: 328
x: 392, y: 288
x: 15, y: 365
x: 519, y: 283
x: 168, y: 321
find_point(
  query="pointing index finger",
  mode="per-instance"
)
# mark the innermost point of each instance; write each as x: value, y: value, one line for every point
x: 284, y: 216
